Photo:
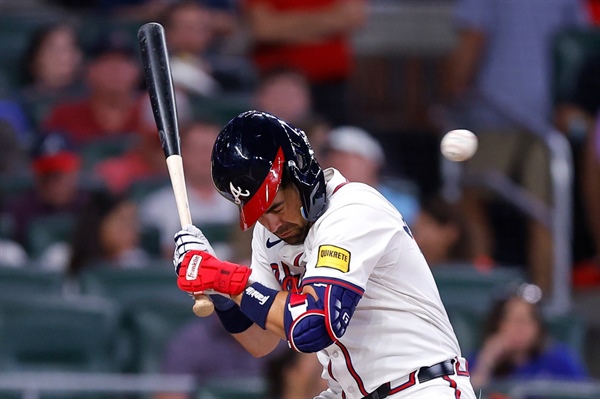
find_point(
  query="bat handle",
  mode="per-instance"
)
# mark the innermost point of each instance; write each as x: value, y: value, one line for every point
x: 203, y: 306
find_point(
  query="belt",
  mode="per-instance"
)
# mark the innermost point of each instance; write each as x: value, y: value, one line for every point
x: 424, y: 374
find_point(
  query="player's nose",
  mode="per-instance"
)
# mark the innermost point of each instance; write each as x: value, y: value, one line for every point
x: 271, y: 222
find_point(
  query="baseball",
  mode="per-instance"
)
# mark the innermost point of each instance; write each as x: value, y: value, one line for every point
x: 458, y: 145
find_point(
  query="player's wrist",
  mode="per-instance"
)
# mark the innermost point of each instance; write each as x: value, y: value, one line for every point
x: 256, y: 301
x: 233, y: 320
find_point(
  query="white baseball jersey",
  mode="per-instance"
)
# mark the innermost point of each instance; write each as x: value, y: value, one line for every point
x: 362, y: 242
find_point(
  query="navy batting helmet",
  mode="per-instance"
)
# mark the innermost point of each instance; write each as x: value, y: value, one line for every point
x: 248, y: 161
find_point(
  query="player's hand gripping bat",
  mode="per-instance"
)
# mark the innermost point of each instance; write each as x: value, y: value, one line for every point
x: 155, y: 57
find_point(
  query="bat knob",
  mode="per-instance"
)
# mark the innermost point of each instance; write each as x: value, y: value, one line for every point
x: 203, y: 306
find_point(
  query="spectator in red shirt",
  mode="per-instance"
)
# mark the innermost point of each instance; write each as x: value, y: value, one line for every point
x: 111, y: 108
x: 312, y: 36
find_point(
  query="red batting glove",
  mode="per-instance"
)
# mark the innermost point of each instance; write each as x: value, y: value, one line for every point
x: 200, y: 271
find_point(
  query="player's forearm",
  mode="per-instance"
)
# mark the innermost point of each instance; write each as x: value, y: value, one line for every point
x: 256, y: 341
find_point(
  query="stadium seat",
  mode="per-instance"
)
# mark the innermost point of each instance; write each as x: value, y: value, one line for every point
x: 464, y: 286
x: 241, y: 388
x: 151, y: 324
x: 101, y: 149
x: 47, y: 230
x: 142, y: 188
x: 29, y: 280
x: 132, y: 285
x: 48, y: 333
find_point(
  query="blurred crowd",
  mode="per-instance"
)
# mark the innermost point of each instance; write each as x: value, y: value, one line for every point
x: 83, y: 177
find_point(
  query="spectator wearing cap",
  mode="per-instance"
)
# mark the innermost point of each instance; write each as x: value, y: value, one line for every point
x: 55, y: 166
x: 360, y: 157
x: 112, y: 105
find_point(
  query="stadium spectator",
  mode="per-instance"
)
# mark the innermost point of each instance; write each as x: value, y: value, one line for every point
x: 193, y: 30
x: 56, y: 165
x: 207, y: 207
x: 516, y: 344
x: 144, y: 161
x: 294, y: 375
x: 107, y: 232
x: 360, y: 157
x: 112, y: 107
x: 201, y: 349
x: 576, y: 115
x: 440, y: 231
x: 588, y: 272
x: 285, y: 93
x: 13, y: 157
x: 51, y: 69
x: 311, y: 37
x: 500, y: 82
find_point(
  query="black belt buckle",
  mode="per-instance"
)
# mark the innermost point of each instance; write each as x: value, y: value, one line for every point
x: 435, y: 371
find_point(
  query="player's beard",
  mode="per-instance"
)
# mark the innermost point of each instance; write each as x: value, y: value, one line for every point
x: 298, y: 233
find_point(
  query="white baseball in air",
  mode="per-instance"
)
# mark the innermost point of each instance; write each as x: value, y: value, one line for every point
x: 458, y: 145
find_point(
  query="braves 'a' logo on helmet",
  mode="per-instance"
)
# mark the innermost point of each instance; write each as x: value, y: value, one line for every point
x: 249, y: 158
x: 237, y: 193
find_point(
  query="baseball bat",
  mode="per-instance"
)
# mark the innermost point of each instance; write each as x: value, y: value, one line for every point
x: 155, y: 58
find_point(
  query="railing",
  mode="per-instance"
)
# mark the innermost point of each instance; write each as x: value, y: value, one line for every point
x: 557, y: 217
x: 32, y: 385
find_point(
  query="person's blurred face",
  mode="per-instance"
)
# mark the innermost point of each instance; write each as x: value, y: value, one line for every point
x: 287, y: 97
x: 58, y: 59
x: 435, y: 239
x: 119, y: 230
x: 197, y: 145
x: 354, y: 167
x: 519, y: 326
x: 283, y: 217
x: 190, y: 30
x: 57, y: 189
x: 114, y: 73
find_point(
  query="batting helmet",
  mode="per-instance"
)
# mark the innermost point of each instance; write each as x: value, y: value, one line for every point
x: 248, y: 161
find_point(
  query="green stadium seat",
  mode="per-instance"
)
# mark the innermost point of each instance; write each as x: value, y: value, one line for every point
x: 47, y: 333
x: 241, y: 388
x: 463, y: 286
x: 30, y: 280
x: 142, y: 188
x: 152, y: 323
x: 102, y: 149
x: 132, y: 285
x: 47, y: 230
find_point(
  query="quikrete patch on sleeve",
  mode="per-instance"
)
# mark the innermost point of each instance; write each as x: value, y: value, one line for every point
x: 334, y: 257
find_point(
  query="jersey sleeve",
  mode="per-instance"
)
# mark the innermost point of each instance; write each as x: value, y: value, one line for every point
x: 349, y: 242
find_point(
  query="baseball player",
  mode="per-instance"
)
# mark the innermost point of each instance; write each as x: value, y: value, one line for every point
x: 334, y: 270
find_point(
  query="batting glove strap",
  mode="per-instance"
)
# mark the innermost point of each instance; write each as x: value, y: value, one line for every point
x: 200, y: 271
x: 257, y: 302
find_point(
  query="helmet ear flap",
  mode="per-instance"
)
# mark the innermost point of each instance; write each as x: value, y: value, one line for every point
x: 311, y: 187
